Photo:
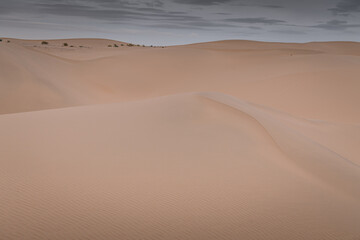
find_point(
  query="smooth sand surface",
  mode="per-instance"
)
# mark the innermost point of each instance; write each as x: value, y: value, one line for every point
x: 221, y: 140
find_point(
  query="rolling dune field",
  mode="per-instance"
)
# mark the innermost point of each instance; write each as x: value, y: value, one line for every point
x: 219, y: 140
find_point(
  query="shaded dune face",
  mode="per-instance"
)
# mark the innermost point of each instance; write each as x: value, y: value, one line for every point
x: 224, y: 140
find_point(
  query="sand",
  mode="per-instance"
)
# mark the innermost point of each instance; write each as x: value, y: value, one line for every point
x: 221, y: 140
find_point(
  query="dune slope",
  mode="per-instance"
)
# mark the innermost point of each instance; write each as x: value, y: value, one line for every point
x: 191, y: 166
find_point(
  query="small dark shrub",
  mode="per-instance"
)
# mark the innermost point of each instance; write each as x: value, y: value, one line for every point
x: 71, y: 46
x: 44, y: 43
x: 115, y: 45
x: 130, y: 45
x: 0, y: 40
x: 8, y: 41
x: 65, y: 44
x: 122, y: 45
x: 109, y: 45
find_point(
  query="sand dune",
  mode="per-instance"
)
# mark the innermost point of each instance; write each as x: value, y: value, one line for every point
x: 221, y: 140
x: 308, y: 76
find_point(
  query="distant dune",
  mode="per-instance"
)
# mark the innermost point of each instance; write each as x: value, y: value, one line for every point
x: 318, y: 80
x: 221, y: 140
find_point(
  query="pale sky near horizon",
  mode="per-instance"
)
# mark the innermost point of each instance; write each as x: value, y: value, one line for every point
x: 169, y: 22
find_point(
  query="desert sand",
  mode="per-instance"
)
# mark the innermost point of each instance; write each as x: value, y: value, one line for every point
x: 220, y: 140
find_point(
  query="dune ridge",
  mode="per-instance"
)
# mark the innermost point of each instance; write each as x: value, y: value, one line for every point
x: 290, y: 139
x: 222, y: 140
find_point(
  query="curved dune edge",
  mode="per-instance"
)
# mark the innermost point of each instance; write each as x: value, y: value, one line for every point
x: 188, y: 166
x: 312, y: 156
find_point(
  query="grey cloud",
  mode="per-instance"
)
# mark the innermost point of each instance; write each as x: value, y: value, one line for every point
x: 345, y: 7
x: 149, y: 9
x: 336, y: 25
x: 265, y: 19
x: 288, y: 31
x: 87, y: 11
x: 174, y: 26
x: 272, y: 6
x: 113, y: 14
x: 256, y: 4
x: 257, y: 20
x: 224, y: 14
x: 255, y: 28
x: 202, y: 2
x: 155, y: 3
x: 208, y: 24
x: 197, y: 25
x: 63, y: 8
x: 8, y: 7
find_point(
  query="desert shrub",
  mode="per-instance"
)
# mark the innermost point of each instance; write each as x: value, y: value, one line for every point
x: 72, y: 46
x: 115, y: 45
x: 130, y: 45
x: 0, y: 40
x: 44, y: 43
x: 122, y: 45
x: 109, y: 45
x: 8, y: 41
x: 65, y: 44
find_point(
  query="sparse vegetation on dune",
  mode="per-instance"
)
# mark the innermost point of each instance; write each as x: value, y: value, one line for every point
x: 156, y: 46
x: 0, y: 40
x: 115, y: 45
x: 127, y: 44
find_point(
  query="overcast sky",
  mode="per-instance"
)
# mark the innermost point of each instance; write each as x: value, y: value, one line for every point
x: 168, y: 22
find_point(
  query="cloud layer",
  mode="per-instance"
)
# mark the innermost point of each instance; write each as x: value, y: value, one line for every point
x: 346, y: 7
x: 183, y: 21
